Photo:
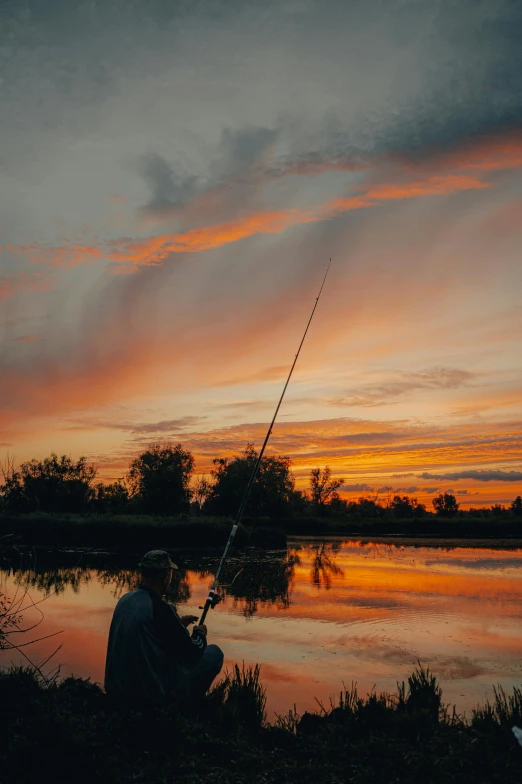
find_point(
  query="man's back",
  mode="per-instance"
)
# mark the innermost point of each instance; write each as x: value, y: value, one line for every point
x: 147, y: 641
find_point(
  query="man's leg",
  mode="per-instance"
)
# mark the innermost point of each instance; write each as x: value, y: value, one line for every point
x: 202, y: 675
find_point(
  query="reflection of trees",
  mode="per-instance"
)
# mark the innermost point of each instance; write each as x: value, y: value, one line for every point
x: 323, y: 566
x: 54, y: 580
x: 118, y: 580
x: 263, y: 581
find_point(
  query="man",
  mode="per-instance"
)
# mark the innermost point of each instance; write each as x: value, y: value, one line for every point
x: 151, y: 657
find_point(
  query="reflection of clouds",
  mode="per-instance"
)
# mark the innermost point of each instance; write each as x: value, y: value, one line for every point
x: 447, y: 667
x: 479, y: 563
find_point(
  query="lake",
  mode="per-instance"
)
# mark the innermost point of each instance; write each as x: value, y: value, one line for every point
x: 315, y: 616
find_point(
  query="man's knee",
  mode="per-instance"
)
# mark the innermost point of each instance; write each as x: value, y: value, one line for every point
x: 215, y: 657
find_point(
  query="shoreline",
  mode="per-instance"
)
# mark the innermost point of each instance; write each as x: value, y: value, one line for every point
x: 70, y: 730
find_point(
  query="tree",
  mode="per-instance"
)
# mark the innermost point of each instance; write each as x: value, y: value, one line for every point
x: 112, y: 498
x: 323, y: 487
x: 271, y: 493
x: 201, y: 491
x: 365, y: 508
x: 159, y: 479
x: 55, y: 484
x: 446, y: 505
x: 516, y: 506
x: 404, y: 506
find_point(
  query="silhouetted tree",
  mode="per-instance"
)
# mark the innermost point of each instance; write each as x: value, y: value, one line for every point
x: 159, y: 479
x: 322, y: 487
x: 201, y: 491
x: 365, y: 508
x: 55, y: 484
x: 516, y: 506
x: 271, y: 493
x: 112, y: 498
x: 446, y: 505
x: 404, y: 506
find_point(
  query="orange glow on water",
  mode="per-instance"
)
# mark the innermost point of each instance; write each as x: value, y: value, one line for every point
x: 356, y: 612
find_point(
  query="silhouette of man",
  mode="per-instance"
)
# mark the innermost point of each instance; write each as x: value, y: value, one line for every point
x: 151, y: 657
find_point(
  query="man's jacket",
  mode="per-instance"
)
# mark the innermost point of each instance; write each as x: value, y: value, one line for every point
x: 147, y: 645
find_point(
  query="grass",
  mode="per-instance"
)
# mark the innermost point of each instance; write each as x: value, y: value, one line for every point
x: 70, y: 731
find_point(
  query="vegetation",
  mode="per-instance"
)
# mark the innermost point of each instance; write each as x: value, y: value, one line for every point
x: 69, y: 730
x: 57, y: 501
x: 271, y: 494
x: 159, y: 480
x: 132, y: 532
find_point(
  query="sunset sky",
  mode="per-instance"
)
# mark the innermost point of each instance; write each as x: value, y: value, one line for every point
x: 174, y: 177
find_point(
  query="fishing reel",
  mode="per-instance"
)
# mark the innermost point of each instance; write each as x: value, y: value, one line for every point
x: 216, y: 599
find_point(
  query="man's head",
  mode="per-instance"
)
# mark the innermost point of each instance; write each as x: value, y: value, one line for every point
x: 156, y: 569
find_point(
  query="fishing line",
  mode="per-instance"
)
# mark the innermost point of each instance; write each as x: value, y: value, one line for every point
x: 211, y: 594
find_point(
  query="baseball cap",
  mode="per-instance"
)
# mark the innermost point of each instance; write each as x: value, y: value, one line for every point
x: 156, y: 559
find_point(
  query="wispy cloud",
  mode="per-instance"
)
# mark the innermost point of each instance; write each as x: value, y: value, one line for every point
x: 357, y: 487
x: 149, y: 428
x: 137, y: 253
x: 387, y: 392
x: 479, y: 475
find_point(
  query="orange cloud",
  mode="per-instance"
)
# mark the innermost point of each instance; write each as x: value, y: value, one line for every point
x: 68, y: 255
x: 153, y: 251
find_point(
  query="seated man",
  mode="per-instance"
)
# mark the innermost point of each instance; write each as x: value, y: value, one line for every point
x: 151, y: 656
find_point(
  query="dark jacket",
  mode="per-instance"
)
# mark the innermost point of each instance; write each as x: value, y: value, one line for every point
x: 147, y: 644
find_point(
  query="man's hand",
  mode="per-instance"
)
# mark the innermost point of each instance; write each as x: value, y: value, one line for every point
x: 201, y: 628
x: 186, y: 620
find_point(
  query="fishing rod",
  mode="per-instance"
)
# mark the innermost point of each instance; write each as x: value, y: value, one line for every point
x: 211, y: 594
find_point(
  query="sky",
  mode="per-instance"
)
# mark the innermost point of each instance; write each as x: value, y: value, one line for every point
x: 174, y: 177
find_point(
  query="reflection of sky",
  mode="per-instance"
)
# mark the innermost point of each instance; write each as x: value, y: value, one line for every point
x: 385, y: 607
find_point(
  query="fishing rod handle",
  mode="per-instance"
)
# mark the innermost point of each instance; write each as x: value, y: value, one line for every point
x: 206, y: 607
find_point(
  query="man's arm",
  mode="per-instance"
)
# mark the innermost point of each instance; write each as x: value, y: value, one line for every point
x: 185, y: 648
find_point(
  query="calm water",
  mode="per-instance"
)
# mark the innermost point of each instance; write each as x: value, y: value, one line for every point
x: 315, y: 616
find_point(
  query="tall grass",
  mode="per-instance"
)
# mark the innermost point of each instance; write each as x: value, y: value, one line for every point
x: 70, y: 731
x: 240, y: 697
x: 506, y: 710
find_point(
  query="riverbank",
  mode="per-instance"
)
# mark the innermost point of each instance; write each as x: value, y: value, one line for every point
x: 70, y: 731
x: 135, y: 532
x: 132, y: 532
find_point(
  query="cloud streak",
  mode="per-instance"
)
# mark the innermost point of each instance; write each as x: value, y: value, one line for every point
x: 479, y: 475
x: 138, y: 253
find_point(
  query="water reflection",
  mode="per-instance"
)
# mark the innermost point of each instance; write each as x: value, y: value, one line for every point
x: 251, y: 582
x: 261, y: 581
x: 318, y: 614
x: 324, y: 566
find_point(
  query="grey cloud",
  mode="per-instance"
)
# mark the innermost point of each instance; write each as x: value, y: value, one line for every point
x: 168, y: 425
x: 480, y: 475
x: 402, y: 476
x: 358, y: 488
x: 385, y: 489
x: 232, y: 178
x: 164, y: 426
x: 169, y: 188
x: 241, y: 150
x: 387, y: 392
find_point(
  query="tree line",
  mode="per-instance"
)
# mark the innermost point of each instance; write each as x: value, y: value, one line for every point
x: 161, y: 481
